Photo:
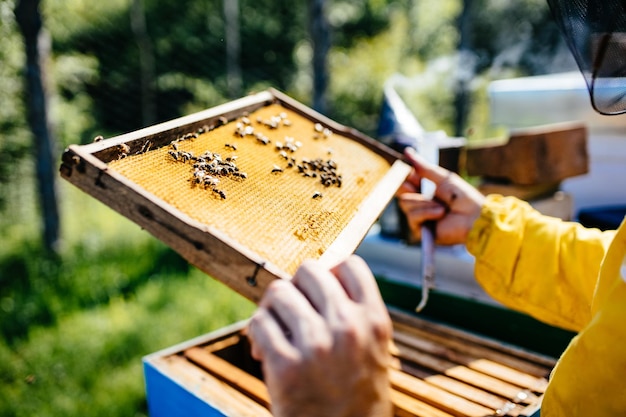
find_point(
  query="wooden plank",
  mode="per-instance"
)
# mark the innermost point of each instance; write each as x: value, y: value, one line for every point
x: 220, y: 395
x: 462, y: 373
x: 461, y: 389
x: 544, y: 154
x: 435, y: 396
x: 475, y: 362
x: 223, y: 343
x: 406, y: 406
x: 511, y: 375
x: 234, y: 376
x: 523, y: 360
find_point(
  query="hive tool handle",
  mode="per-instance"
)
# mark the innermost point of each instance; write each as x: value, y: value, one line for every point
x: 428, y: 263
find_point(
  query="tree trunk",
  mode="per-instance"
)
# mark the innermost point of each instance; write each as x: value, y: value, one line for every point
x: 233, y: 47
x: 462, y: 96
x: 320, y: 35
x: 37, y: 45
x: 146, y: 61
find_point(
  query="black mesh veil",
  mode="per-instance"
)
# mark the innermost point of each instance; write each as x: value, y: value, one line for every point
x: 596, y: 33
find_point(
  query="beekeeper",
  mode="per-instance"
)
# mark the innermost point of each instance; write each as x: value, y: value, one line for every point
x: 323, y: 342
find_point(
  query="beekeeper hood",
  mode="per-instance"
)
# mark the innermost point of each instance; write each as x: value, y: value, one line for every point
x: 596, y: 34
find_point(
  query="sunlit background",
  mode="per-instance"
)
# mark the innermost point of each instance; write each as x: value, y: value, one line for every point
x: 82, y: 303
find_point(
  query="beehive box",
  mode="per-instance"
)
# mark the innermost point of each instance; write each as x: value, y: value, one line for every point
x: 247, y: 190
x: 538, y: 156
x: 436, y: 371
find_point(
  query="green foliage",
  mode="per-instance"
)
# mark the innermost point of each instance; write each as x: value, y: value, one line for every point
x: 89, y: 363
x: 433, y: 28
x: 13, y: 132
x: 75, y: 326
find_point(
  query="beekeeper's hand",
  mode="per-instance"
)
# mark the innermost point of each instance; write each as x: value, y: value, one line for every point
x: 455, y: 207
x: 323, y: 342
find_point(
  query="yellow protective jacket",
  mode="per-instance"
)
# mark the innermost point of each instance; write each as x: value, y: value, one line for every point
x: 568, y: 276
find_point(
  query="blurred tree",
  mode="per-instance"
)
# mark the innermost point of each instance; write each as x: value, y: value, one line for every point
x: 146, y: 61
x: 13, y: 125
x: 461, y: 87
x: 37, y: 46
x: 320, y: 38
x: 233, y: 47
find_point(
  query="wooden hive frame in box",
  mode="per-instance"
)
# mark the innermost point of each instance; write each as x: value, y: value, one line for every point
x: 436, y: 371
x: 105, y: 169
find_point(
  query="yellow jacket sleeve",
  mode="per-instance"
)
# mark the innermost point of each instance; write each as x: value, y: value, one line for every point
x: 539, y: 265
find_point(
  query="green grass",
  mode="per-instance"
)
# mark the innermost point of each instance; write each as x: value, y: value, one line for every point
x: 76, y: 325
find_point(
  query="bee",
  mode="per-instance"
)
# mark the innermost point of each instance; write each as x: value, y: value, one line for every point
x: 245, y: 120
x: 272, y: 123
x: 277, y: 169
x: 222, y: 120
x: 186, y: 156
x: 231, y: 146
x: 317, y: 195
x: 123, y: 149
x: 221, y: 193
x: 175, y: 155
x: 210, y: 181
x: 98, y: 138
x: 174, y: 145
x: 283, y: 155
x: 145, y: 148
x: 287, y: 122
x: 198, y: 176
x: 318, y: 127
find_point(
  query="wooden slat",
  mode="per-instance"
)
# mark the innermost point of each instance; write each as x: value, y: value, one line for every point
x: 227, y: 399
x: 461, y: 389
x: 407, y: 406
x: 234, y: 376
x: 467, y: 375
x: 543, y: 363
x: 223, y: 343
x: 509, y: 374
x: 435, y: 396
x: 459, y: 344
x: 477, y: 363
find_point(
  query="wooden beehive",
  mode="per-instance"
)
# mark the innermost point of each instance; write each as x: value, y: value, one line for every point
x: 279, y: 183
x: 537, y: 156
x: 436, y: 371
